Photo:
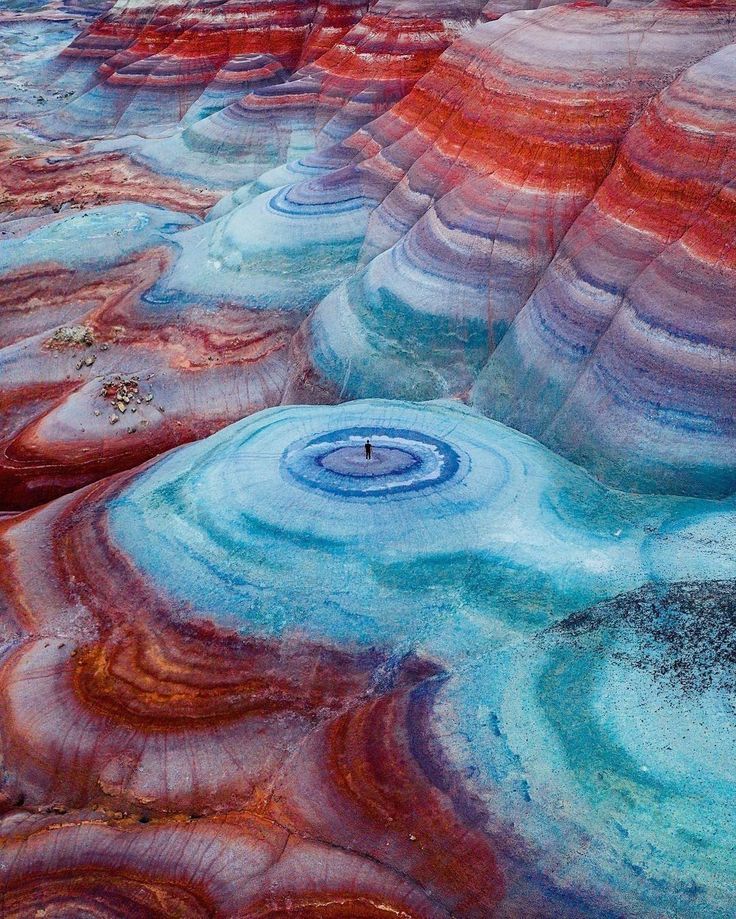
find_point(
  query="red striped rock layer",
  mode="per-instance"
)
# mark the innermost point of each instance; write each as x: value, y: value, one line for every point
x: 504, y: 106
x: 318, y: 763
x: 629, y: 336
x: 146, y: 65
x: 39, y: 178
x: 494, y: 9
x: 197, y: 30
x: 381, y: 59
x: 360, y: 77
x: 479, y: 173
x: 236, y: 866
x: 46, y: 448
x: 194, y: 376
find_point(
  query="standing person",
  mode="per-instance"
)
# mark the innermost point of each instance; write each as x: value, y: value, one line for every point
x: 368, y: 449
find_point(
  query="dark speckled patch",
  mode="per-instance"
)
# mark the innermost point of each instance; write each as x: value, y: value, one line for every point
x: 684, y: 632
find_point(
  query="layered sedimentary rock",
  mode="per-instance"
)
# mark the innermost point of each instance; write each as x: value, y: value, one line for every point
x: 240, y: 867
x: 462, y: 207
x: 404, y: 685
x: 475, y: 170
x: 478, y: 178
x: 45, y: 451
x: 628, y: 337
x: 32, y: 36
x: 361, y: 76
x: 38, y: 180
x: 263, y: 674
x: 494, y: 9
x: 143, y: 65
x: 93, y: 376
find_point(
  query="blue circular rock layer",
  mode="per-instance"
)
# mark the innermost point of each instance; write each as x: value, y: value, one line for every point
x: 402, y: 461
x: 578, y: 693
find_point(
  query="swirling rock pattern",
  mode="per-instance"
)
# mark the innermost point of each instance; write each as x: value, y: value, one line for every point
x: 511, y: 228
x: 478, y: 183
x: 324, y: 102
x: 222, y: 683
x: 45, y: 455
x: 248, y: 671
x: 635, y: 314
x: 64, y: 426
x: 152, y: 62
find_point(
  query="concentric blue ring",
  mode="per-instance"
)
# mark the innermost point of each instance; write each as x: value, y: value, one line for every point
x: 403, y: 461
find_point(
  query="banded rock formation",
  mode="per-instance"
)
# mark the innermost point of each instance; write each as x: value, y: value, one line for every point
x: 261, y: 677
x: 437, y: 246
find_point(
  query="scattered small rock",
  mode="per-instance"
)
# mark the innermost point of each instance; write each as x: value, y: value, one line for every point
x: 71, y: 335
x: 124, y: 393
x: 113, y: 419
x: 88, y: 361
